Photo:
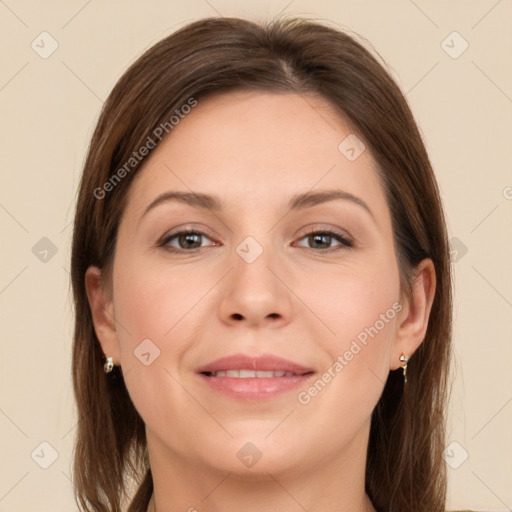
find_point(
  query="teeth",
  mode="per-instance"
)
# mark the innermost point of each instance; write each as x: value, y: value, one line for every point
x: 251, y: 374
x: 262, y: 374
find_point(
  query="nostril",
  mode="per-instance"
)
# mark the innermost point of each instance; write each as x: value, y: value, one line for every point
x: 237, y: 316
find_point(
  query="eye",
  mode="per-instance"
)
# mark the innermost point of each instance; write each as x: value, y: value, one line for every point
x: 324, y: 239
x: 184, y: 241
x: 191, y: 241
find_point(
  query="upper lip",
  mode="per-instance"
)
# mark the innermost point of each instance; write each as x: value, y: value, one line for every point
x: 264, y: 362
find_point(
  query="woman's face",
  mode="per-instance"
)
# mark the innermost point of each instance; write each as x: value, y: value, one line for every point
x: 258, y: 277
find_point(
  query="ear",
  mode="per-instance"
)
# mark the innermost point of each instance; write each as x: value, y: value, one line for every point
x: 413, y: 320
x: 102, y: 310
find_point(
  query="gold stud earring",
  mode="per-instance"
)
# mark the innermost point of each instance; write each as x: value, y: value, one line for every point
x: 109, y: 365
x: 404, y: 360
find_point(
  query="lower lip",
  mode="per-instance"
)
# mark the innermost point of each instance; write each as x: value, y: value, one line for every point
x: 253, y: 389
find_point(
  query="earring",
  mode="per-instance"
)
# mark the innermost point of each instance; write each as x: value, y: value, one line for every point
x: 109, y: 365
x: 405, y: 360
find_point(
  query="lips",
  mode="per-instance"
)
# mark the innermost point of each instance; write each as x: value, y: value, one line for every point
x: 248, y: 374
x: 263, y: 363
x: 261, y: 377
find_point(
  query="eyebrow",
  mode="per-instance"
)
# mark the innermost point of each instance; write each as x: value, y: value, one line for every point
x: 297, y: 202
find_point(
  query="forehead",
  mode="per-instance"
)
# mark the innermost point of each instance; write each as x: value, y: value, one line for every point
x: 250, y: 145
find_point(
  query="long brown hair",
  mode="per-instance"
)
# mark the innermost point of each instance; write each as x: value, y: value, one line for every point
x: 404, y: 470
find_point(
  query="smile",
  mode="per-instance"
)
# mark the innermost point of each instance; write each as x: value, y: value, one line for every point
x: 246, y: 377
x: 250, y: 374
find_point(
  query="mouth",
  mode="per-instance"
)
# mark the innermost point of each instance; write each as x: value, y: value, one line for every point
x: 253, y: 378
x: 251, y: 374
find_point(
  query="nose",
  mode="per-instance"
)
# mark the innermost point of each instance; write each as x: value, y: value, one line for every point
x: 255, y: 294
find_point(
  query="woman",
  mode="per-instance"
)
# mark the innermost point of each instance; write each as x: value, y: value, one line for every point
x: 262, y: 282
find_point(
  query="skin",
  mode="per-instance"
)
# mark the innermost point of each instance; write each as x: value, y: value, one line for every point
x: 301, y: 300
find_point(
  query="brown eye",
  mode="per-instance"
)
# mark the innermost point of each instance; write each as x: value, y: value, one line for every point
x: 189, y: 240
x: 185, y: 241
x: 319, y: 241
x: 323, y: 240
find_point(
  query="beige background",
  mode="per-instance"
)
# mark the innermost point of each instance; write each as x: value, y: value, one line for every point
x: 48, y: 110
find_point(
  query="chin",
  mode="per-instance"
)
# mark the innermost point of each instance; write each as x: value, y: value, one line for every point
x: 261, y: 470
x: 253, y: 457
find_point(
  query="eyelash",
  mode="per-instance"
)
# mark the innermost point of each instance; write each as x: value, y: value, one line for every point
x: 345, y: 243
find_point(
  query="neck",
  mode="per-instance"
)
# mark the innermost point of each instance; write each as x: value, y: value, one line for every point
x: 335, y: 484
x: 367, y: 506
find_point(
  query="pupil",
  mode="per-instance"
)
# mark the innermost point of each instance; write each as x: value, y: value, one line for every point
x: 189, y: 239
x: 320, y: 239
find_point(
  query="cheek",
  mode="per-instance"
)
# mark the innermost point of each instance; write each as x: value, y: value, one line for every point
x: 352, y: 301
x: 362, y: 312
x: 367, y: 313
x: 155, y: 309
x: 152, y: 302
